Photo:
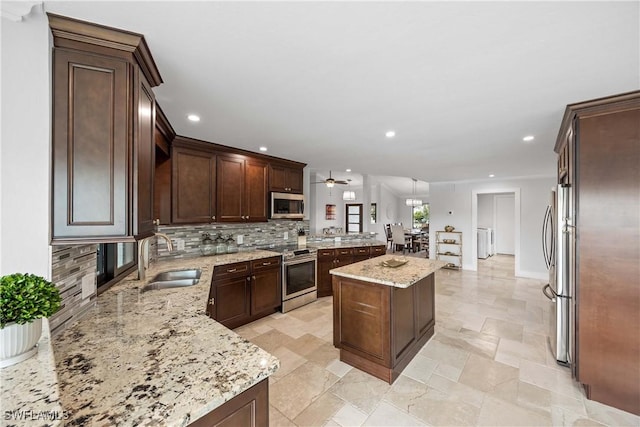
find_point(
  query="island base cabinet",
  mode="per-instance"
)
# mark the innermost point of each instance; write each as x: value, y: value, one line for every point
x: 380, y: 328
x: 248, y: 409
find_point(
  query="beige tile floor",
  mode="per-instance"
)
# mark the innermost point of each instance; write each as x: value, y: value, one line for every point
x: 486, y: 365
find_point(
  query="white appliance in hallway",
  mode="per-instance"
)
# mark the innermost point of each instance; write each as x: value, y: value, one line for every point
x: 485, y: 243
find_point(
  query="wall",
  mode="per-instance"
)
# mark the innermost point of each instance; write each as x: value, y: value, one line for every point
x: 457, y: 198
x: 25, y: 147
x: 485, y: 210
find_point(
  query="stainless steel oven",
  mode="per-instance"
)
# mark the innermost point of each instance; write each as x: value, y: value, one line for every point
x: 299, y: 278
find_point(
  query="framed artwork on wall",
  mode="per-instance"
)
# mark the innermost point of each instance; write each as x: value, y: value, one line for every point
x: 330, y: 212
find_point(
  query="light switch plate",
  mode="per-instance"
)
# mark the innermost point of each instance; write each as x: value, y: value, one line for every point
x: 88, y: 285
x: 286, y: 235
x: 240, y: 239
x: 180, y: 244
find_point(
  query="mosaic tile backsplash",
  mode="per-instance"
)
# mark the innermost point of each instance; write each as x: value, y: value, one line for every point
x: 69, y: 264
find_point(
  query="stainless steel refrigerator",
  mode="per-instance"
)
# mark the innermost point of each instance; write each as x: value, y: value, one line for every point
x: 558, y: 247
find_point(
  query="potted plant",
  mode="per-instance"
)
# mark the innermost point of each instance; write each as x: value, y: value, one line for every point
x: 24, y: 300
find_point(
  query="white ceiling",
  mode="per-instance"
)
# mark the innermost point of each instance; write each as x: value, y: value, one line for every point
x: 461, y: 83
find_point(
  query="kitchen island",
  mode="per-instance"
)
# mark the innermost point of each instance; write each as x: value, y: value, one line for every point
x: 155, y: 358
x: 383, y: 315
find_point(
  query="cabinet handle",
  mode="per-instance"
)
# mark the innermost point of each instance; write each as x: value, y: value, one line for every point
x: 212, y: 301
x: 232, y: 270
x: 213, y: 217
x: 266, y: 263
x: 156, y: 222
x: 248, y: 278
x: 253, y: 277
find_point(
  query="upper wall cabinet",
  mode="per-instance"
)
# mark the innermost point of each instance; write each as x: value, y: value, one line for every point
x: 242, y: 189
x: 285, y: 178
x: 103, y: 133
x: 193, y: 194
x: 216, y: 183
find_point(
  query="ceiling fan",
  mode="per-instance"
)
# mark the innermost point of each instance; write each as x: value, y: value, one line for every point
x: 330, y: 182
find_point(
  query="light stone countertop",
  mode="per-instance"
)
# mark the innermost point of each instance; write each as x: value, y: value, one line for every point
x: 29, y: 390
x: 346, y: 244
x: 372, y: 270
x: 156, y: 358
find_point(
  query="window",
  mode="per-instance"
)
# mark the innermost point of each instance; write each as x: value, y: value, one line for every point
x: 115, y: 261
x: 420, y: 215
x: 354, y: 218
x: 374, y: 213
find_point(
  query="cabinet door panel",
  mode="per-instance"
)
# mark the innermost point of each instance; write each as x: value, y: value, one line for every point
x: 232, y: 301
x: 325, y: 263
x: 193, y: 186
x: 144, y: 158
x: 256, y: 190
x: 294, y: 180
x: 277, y: 178
x: 266, y: 293
x: 425, y: 305
x: 230, y: 185
x: 90, y: 146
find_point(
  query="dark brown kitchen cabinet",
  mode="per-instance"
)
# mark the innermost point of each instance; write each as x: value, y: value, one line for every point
x: 193, y: 185
x: 243, y: 292
x: 266, y: 289
x: 598, y: 147
x: 285, y: 179
x: 242, y: 189
x: 103, y: 134
x: 164, y: 136
x: 337, y: 257
x: 248, y: 409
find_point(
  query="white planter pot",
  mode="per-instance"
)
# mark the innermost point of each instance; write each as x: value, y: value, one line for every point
x: 18, y: 342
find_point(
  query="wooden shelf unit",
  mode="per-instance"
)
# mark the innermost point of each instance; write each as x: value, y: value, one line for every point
x: 449, y: 252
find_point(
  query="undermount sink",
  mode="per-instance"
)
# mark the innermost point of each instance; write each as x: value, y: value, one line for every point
x: 173, y: 279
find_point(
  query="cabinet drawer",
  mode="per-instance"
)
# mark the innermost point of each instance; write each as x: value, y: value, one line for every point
x: 231, y: 270
x: 326, y: 253
x: 378, y: 250
x: 361, y: 251
x: 265, y: 263
x: 345, y: 251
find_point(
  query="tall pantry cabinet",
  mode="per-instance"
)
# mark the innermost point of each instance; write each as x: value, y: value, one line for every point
x: 599, y: 157
x: 103, y: 133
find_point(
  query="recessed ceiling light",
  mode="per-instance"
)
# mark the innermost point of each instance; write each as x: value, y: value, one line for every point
x: 528, y: 138
x: 491, y: 176
x: 390, y: 134
x: 263, y: 148
x: 348, y: 170
x: 193, y: 118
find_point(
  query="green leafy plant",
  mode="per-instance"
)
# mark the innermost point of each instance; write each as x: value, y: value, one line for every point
x: 26, y: 297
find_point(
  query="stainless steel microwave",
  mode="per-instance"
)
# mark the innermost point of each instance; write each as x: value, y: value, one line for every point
x: 287, y: 206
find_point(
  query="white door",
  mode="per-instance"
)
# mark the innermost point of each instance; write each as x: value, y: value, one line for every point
x: 505, y: 224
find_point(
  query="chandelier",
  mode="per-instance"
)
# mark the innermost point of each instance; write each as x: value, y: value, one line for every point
x: 412, y: 201
x: 349, y: 194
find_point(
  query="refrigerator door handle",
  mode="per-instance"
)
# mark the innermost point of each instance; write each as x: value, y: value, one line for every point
x: 549, y: 293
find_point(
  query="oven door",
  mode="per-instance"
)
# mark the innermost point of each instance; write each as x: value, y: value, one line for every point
x: 298, y: 277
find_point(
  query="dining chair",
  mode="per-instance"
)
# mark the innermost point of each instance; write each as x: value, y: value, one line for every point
x: 387, y: 232
x: 399, y: 238
x: 424, y: 242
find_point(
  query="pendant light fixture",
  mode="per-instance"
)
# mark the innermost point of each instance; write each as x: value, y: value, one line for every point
x: 413, y: 201
x: 349, y: 194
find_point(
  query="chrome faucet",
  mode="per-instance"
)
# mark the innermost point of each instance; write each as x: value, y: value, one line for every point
x: 143, y: 253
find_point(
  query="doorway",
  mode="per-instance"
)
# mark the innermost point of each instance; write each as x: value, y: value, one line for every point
x: 353, y: 218
x: 510, y: 229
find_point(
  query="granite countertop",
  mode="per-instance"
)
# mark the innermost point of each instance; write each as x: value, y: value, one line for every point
x: 346, y: 244
x: 29, y: 389
x: 155, y: 358
x: 372, y: 270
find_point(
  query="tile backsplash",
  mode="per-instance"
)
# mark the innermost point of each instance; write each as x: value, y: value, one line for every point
x: 69, y: 265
